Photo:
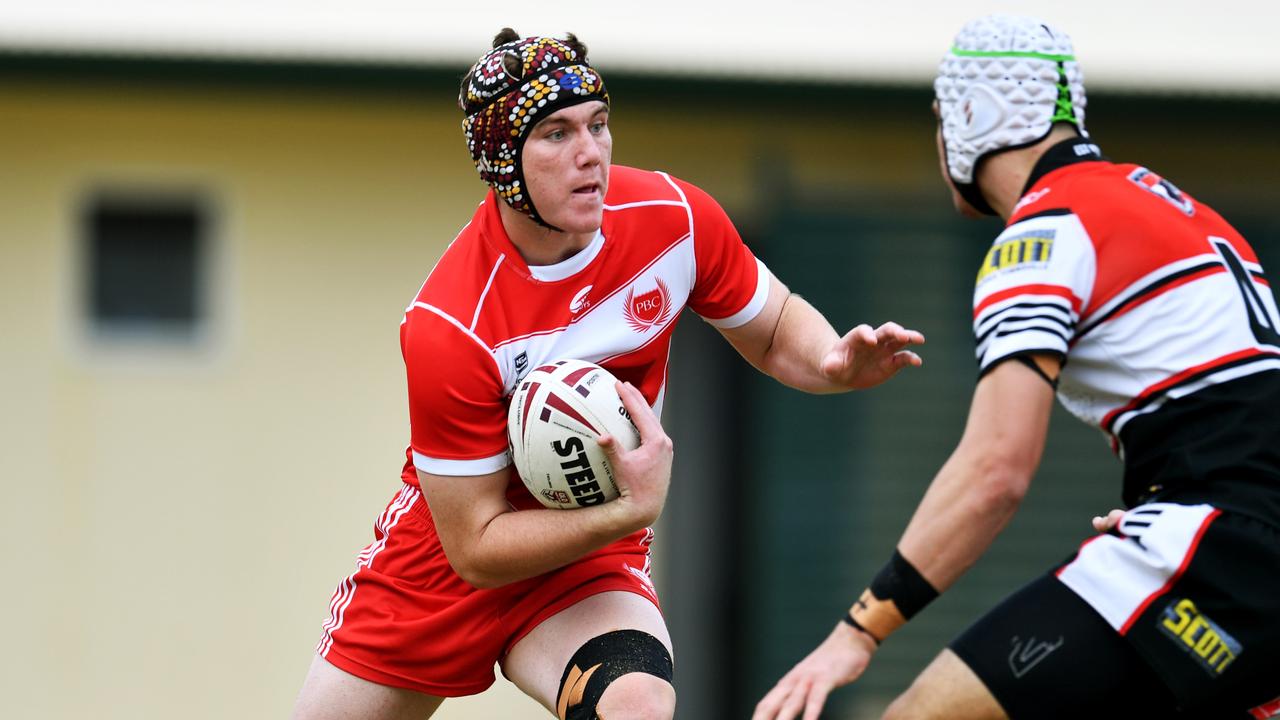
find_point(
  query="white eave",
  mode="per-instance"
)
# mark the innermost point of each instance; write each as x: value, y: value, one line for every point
x: 1179, y: 46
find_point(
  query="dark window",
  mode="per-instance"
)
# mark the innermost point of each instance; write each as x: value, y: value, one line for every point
x: 145, y: 265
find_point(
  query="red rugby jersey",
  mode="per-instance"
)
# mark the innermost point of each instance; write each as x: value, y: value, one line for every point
x: 484, y: 318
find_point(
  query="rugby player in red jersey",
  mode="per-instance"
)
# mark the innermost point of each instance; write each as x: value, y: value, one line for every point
x: 1151, y: 318
x: 567, y: 257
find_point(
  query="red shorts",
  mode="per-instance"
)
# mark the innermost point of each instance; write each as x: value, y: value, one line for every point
x: 407, y: 620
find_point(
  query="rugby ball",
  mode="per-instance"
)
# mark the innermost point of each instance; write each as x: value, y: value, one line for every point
x: 556, y: 413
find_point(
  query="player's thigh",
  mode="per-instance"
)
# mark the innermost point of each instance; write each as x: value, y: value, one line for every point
x: 949, y: 689
x: 537, y: 663
x: 333, y: 694
x: 1044, y: 653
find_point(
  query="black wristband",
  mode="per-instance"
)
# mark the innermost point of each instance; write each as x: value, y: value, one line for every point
x: 848, y: 620
x: 900, y: 582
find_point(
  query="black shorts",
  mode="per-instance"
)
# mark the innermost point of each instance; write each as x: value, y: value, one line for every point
x: 1177, y: 615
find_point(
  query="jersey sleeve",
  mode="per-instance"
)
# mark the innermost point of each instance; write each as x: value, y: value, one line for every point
x: 730, y: 284
x: 457, y: 410
x: 1033, y: 282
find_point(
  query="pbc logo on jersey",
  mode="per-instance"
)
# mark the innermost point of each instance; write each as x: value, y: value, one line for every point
x: 1030, y: 249
x: 1209, y: 644
x: 649, y: 309
x: 1162, y: 189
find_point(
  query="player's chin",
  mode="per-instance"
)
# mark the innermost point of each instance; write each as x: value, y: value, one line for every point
x: 580, y: 217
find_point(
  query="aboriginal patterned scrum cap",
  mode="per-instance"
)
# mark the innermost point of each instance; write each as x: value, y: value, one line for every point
x: 501, y: 105
x: 1002, y: 86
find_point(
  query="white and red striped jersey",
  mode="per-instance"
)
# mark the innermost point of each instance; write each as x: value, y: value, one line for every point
x: 484, y: 318
x: 1148, y: 295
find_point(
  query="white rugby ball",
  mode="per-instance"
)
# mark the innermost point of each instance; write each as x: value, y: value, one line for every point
x: 556, y: 413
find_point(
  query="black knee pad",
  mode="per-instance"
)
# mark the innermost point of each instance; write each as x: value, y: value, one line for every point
x: 603, y: 659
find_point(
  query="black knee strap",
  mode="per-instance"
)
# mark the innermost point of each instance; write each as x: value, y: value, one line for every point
x: 603, y: 659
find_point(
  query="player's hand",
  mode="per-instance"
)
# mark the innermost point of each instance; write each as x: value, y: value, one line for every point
x: 839, y: 660
x: 644, y: 474
x: 864, y: 357
x: 1111, y: 520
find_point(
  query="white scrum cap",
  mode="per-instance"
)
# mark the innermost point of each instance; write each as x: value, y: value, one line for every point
x: 1003, y: 85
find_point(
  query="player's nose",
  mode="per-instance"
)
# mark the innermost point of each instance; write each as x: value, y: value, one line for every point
x: 587, y: 149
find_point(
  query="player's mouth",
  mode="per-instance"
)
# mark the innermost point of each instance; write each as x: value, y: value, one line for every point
x: 587, y: 190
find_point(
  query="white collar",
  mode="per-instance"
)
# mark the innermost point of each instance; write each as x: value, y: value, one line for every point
x: 573, y: 265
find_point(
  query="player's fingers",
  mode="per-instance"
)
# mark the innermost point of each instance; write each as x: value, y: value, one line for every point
x: 892, y: 331
x: 842, y: 353
x: 862, y: 335
x: 767, y: 708
x: 836, y: 360
x: 907, y: 359
x: 641, y: 414
x: 609, y: 445
x: 892, y: 342
x: 1111, y: 520
x: 899, y: 343
x: 817, y: 698
x: 794, y: 704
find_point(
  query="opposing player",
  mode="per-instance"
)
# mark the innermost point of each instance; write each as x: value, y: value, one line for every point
x: 1152, y: 319
x: 567, y: 257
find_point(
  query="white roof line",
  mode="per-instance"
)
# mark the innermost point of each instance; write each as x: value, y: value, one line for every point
x: 877, y: 43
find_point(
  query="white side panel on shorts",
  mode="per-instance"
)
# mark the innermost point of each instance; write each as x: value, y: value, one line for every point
x: 1120, y: 577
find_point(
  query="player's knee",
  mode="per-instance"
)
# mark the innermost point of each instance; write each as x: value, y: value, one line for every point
x: 946, y: 690
x: 908, y: 705
x: 633, y: 667
x: 899, y: 709
x: 638, y: 696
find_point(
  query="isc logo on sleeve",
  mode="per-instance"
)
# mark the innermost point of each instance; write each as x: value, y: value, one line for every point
x: 1209, y: 644
x: 1029, y: 249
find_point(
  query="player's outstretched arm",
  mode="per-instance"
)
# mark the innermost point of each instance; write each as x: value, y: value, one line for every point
x: 488, y: 544
x: 792, y: 342
x: 968, y: 503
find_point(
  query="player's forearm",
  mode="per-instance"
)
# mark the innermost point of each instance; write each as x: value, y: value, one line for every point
x: 969, y: 503
x: 981, y: 485
x: 800, y: 341
x: 522, y: 544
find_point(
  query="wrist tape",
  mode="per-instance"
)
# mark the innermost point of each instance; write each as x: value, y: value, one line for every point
x: 896, y: 594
